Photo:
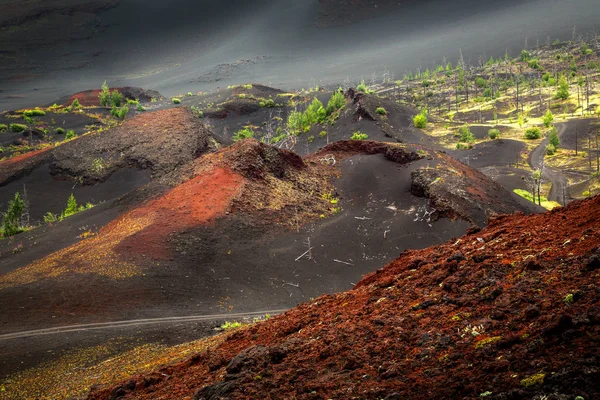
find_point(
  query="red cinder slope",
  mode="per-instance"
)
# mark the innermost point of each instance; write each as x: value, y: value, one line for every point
x: 509, y: 312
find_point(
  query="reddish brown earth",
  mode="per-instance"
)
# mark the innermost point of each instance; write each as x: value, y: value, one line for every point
x: 511, y: 311
x: 191, y: 204
x: 90, y: 98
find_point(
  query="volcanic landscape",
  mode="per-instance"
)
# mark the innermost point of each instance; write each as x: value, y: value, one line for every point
x: 312, y: 201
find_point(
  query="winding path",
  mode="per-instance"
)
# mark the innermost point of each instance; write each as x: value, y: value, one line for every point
x: 133, y: 323
x: 556, y: 178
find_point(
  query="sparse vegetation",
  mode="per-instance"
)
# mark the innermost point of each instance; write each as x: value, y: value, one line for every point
x: 3, y: 128
x: 176, y: 100
x: 381, y: 111
x: 60, y: 131
x: 120, y: 112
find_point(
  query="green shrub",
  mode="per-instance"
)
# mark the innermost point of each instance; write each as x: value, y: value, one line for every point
x: 480, y: 82
x: 60, y: 131
x: 190, y: 94
x: 116, y: 98
x: 548, y: 118
x: 494, y: 134
x: 553, y: 138
x: 120, y: 112
x: 381, y: 111
x: 140, y: 108
x: 310, y: 139
x: 244, y: 133
x: 359, y: 136
x: 133, y: 102
x: 3, y: 127
x: 420, y: 120
x: 34, y: 113
x: 315, y: 112
x: 533, y: 133
x: 18, y: 128
x: 336, y: 102
x: 535, y: 64
x: 11, y: 221
x: 562, y: 92
x: 70, y: 134
x: 550, y: 149
x: 176, y: 100
x: 466, y: 136
x: 525, y: 56
x: 362, y: 87
x: 322, y: 134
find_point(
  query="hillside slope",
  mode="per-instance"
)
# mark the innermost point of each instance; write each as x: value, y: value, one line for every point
x: 509, y: 312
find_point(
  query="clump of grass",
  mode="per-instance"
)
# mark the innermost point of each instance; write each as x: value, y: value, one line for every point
x: 18, y: 128
x: 533, y: 380
x: 269, y: 103
x: 176, y: 100
x: 381, y: 111
x: 231, y: 325
x: 60, y: 131
x: 358, y: 135
x: 3, y: 127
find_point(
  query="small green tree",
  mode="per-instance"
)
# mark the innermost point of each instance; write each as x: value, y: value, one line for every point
x: 336, y: 102
x: 548, y: 118
x: 525, y: 56
x: 70, y: 134
x: 11, y: 223
x: 71, y: 207
x: 466, y: 136
x: 104, y: 95
x: 563, y: 89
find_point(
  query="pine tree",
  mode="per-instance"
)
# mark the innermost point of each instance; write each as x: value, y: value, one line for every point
x: 11, y: 223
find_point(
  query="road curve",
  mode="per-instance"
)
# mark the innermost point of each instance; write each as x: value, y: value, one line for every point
x: 135, y: 322
x: 556, y: 178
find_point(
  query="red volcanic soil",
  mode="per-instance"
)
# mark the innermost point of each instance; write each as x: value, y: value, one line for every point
x: 90, y: 98
x: 191, y: 204
x: 23, y: 157
x: 511, y: 312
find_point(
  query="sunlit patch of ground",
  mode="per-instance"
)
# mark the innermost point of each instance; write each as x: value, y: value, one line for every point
x: 76, y: 371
